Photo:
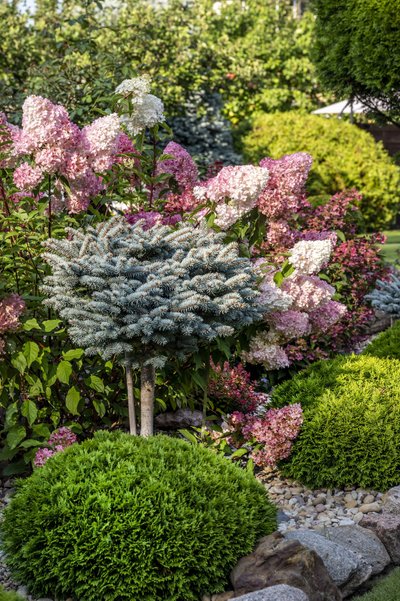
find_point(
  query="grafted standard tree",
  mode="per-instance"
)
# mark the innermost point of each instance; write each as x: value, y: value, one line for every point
x: 148, y: 294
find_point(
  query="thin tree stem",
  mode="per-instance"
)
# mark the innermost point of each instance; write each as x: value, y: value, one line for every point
x: 131, y: 397
x: 147, y: 381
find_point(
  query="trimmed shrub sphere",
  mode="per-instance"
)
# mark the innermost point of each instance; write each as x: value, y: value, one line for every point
x: 351, y: 429
x: 387, y: 344
x: 120, y: 517
x: 344, y: 157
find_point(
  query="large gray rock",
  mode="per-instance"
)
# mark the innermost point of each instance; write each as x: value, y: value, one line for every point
x: 279, y: 561
x: 391, y: 501
x: 280, y: 592
x: 387, y: 527
x: 182, y: 418
x: 363, y: 542
x: 346, y: 568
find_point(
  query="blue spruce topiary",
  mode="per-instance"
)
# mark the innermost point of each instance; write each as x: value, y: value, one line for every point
x: 386, y: 297
x: 145, y: 295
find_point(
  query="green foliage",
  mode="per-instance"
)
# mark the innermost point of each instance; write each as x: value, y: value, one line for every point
x: 45, y: 382
x: 357, y: 51
x: 122, y: 517
x: 256, y: 55
x: 344, y: 157
x: 387, y: 344
x: 385, y: 588
x: 351, y: 429
x: 9, y: 595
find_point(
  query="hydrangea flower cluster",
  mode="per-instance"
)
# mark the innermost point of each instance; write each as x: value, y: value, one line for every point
x: 308, y: 307
x: 235, y: 191
x: 271, y: 435
x: 51, y: 145
x: 234, y: 385
x: 145, y: 110
x: 11, y: 308
x: 310, y: 256
x: 59, y: 440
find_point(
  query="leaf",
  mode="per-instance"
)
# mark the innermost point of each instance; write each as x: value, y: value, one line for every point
x: 14, y: 468
x: 278, y: 278
x: 64, y: 371
x: 73, y: 354
x: 15, y: 436
x: 19, y: 362
x: 239, y: 452
x: 100, y: 407
x: 72, y: 400
x: 41, y: 430
x: 51, y: 324
x: 30, y: 442
x: 95, y: 383
x: 11, y: 414
x: 29, y: 410
x: 31, y: 352
x: 340, y: 235
x: 200, y: 381
x: 191, y: 437
x: 31, y: 324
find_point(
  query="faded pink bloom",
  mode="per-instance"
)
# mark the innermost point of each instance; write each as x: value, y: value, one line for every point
x: 285, y: 189
x: 307, y: 291
x: 181, y: 166
x: 27, y: 177
x: 59, y: 440
x: 327, y: 315
x: 11, y: 308
x: 290, y: 324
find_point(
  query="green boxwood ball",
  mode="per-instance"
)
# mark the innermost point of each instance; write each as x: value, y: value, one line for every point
x: 125, y: 518
x: 351, y: 430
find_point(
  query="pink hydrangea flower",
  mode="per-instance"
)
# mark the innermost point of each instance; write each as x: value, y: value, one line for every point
x: 290, y: 324
x: 27, y: 177
x: 59, y: 440
x: 308, y: 292
x: 11, y: 308
x: 181, y: 166
x: 327, y: 315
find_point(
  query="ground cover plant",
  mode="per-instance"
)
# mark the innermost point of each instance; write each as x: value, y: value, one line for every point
x: 385, y: 589
x: 351, y: 422
x: 344, y: 157
x: 9, y: 595
x: 147, y: 519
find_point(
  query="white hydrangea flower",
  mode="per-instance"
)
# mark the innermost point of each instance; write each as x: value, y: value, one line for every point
x: 146, y: 114
x: 137, y: 88
x: 309, y: 256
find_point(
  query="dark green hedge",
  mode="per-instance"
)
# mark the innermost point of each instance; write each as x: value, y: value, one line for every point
x: 125, y: 518
x: 351, y: 429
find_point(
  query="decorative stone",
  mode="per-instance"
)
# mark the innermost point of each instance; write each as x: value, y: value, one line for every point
x: 280, y: 592
x: 387, y: 527
x: 370, y: 507
x: 346, y: 568
x: 223, y: 596
x: 279, y: 561
x: 368, y: 499
x: 182, y: 418
x: 362, y: 542
x: 391, y: 501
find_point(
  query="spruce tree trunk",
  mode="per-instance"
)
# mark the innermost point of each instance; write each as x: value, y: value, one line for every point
x: 147, y: 379
x: 131, y: 398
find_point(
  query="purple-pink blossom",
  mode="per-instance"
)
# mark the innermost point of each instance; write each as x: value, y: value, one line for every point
x: 58, y: 441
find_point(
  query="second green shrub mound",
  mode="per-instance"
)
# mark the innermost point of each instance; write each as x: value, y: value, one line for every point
x: 387, y: 344
x: 351, y: 429
x: 344, y: 157
x: 125, y: 518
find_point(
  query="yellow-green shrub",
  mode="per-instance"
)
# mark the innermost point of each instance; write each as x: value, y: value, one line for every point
x: 351, y: 429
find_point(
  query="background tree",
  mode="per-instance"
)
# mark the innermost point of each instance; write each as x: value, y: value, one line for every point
x: 357, y: 52
x: 147, y: 295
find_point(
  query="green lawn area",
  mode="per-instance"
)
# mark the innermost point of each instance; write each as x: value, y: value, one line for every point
x: 387, y: 589
x: 392, y: 245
